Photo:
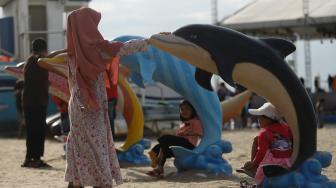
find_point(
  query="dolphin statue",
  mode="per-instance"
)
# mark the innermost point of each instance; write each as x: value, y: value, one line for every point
x: 158, y: 66
x: 256, y: 64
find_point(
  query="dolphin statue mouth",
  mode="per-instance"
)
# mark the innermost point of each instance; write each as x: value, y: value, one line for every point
x: 196, y: 54
x: 257, y: 64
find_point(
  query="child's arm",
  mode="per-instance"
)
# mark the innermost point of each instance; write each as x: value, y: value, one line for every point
x: 196, y: 128
x: 263, y: 146
x: 192, y: 128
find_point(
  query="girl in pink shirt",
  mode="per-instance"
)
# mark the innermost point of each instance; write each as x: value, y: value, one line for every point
x: 186, y: 136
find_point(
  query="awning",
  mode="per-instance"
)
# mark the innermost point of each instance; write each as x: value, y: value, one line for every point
x: 285, y: 18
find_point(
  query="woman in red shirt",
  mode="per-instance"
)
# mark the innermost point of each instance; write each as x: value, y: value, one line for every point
x: 186, y: 136
x: 273, y: 145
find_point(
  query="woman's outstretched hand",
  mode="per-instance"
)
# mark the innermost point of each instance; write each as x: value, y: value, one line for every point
x: 133, y: 46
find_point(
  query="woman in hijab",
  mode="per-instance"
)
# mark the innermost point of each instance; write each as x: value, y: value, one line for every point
x: 91, y: 155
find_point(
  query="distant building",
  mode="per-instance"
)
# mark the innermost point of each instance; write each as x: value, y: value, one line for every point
x: 24, y: 20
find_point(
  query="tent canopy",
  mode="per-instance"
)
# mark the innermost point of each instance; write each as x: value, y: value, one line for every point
x: 4, y: 2
x: 285, y: 18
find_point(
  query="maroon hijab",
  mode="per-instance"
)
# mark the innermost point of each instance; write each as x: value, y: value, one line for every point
x: 85, y: 44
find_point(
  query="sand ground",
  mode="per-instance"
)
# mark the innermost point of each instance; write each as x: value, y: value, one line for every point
x: 12, y: 153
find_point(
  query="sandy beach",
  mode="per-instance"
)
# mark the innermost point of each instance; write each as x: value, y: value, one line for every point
x: 12, y: 153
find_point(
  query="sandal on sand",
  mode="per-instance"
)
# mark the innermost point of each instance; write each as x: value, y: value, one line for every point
x: 245, y: 184
x: 155, y: 173
x: 154, y: 159
x: 248, y: 172
x: 35, y: 164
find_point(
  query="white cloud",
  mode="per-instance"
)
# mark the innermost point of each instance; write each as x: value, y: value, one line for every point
x: 145, y: 16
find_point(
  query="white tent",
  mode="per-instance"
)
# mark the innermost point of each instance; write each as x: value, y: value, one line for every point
x: 292, y: 19
x: 314, y: 19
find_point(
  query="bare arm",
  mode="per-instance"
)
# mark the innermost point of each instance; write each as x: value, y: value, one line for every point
x: 110, y: 49
x: 133, y: 46
x: 124, y: 49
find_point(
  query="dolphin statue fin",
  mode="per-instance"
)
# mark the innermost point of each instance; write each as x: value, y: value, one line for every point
x: 147, y: 68
x: 203, y: 78
x: 283, y: 47
x: 137, y: 79
x: 181, y: 151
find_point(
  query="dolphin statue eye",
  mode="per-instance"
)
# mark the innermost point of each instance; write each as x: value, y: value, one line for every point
x: 193, y: 36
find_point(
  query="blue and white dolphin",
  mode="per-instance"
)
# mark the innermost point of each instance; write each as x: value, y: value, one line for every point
x: 156, y: 65
x: 254, y: 63
x: 258, y: 65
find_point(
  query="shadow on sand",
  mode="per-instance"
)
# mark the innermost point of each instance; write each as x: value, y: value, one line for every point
x: 171, y: 175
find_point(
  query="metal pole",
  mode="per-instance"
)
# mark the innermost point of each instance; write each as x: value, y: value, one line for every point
x: 214, y: 12
x: 308, y: 67
x: 295, y: 53
x: 306, y: 43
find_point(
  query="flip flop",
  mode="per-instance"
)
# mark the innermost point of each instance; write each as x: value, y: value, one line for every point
x: 155, y: 173
x: 35, y: 164
x: 43, y: 164
x: 27, y: 163
x: 247, y: 172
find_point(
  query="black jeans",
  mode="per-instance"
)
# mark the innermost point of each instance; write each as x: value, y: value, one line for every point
x: 35, y: 118
x: 166, y: 141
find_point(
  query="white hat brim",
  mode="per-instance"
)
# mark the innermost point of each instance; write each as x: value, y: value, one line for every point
x: 255, y: 112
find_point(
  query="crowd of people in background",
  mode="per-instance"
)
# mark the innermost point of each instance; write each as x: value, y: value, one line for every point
x: 245, y: 120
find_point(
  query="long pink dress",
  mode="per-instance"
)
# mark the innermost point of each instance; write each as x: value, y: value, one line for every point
x: 91, y: 155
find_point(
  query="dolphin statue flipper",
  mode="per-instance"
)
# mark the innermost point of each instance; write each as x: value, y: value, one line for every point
x: 182, y: 152
x: 203, y: 78
x: 283, y: 47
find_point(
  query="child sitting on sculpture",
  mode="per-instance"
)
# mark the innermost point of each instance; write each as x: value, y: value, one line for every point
x: 187, y: 136
x: 273, y: 145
